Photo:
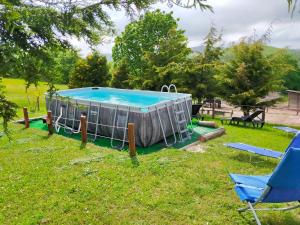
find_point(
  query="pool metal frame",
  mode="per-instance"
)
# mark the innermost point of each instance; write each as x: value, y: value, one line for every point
x: 175, y: 105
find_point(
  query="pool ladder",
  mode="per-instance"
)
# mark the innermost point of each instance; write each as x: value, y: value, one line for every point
x: 168, y: 88
x: 181, y: 122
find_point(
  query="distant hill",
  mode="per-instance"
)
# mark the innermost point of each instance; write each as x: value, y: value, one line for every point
x: 268, y: 50
x: 199, y: 48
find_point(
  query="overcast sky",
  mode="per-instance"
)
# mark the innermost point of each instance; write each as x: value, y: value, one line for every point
x: 236, y: 19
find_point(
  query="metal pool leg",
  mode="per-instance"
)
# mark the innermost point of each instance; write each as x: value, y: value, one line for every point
x: 88, y: 116
x: 66, y: 118
x: 55, y: 109
x: 113, y: 127
x: 98, y: 115
x: 74, y: 113
x: 190, y: 118
x: 125, y: 128
x: 162, y: 127
x: 171, y: 122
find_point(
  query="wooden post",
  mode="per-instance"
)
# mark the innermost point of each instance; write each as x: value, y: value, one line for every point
x: 213, y: 109
x: 208, y: 124
x: 49, y: 122
x: 131, y: 140
x: 83, y: 129
x: 38, y: 103
x: 26, y: 117
x: 264, y: 114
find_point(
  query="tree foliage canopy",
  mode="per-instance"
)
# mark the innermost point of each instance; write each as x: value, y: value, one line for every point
x: 148, y: 44
x: 161, y: 64
x: 31, y: 26
x: 197, y: 73
x: 250, y: 74
x: 292, y: 79
x: 90, y: 72
x: 120, y: 75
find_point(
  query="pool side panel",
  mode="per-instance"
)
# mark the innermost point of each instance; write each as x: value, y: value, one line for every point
x: 147, y: 125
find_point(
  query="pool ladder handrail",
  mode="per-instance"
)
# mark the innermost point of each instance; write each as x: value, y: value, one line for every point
x: 168, y: 88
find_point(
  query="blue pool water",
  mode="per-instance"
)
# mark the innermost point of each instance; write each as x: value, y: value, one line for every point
x: 136, y: 98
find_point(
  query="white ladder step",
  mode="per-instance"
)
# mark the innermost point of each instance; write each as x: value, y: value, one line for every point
x: 184, y: 131
x: 182, y: 121
x: 177, y: 103
x: 179, y: 112
x: 186, y: 138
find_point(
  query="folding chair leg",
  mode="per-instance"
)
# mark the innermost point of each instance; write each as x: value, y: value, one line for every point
x: 250, y: 207
x: 254, y: 213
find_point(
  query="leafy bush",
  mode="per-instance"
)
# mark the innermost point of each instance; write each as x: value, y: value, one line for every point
x: 120, y: 78
x: 90, y: 72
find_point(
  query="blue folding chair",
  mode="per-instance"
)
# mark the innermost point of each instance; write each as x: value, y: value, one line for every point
x: 295, y: 143
x: 283, y: 185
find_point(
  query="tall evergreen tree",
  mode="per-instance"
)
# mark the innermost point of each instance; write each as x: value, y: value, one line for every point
x: 250, y: 74
x: 198, y: 76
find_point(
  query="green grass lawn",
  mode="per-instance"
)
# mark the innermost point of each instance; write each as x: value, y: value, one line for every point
x: 54, y: 180
x: 16, y: 92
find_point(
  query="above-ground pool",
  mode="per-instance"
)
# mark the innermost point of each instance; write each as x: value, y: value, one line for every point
x: 156, y: 115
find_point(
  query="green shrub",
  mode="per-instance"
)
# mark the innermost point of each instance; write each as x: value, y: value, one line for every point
x: 90, y: 72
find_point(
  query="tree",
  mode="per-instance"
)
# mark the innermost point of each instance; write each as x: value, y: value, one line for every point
x: 292, y: 79
x: 197, y: 74
x: 120, y: 78
x: 90, y: 72
x: 250, y: 74
x: 150, y: 43
x: 172, y: 53
x: 61, y: 62
x: 30, y: 26
x: 7, y: 110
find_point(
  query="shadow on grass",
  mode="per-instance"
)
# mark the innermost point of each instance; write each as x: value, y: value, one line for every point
x: 264, y: 129
x: 288, y: 219
x: 105, y: 142
x: 281, y: 218
x: 135, y: 162
x: 82, y: 145
x: 258, y: 161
